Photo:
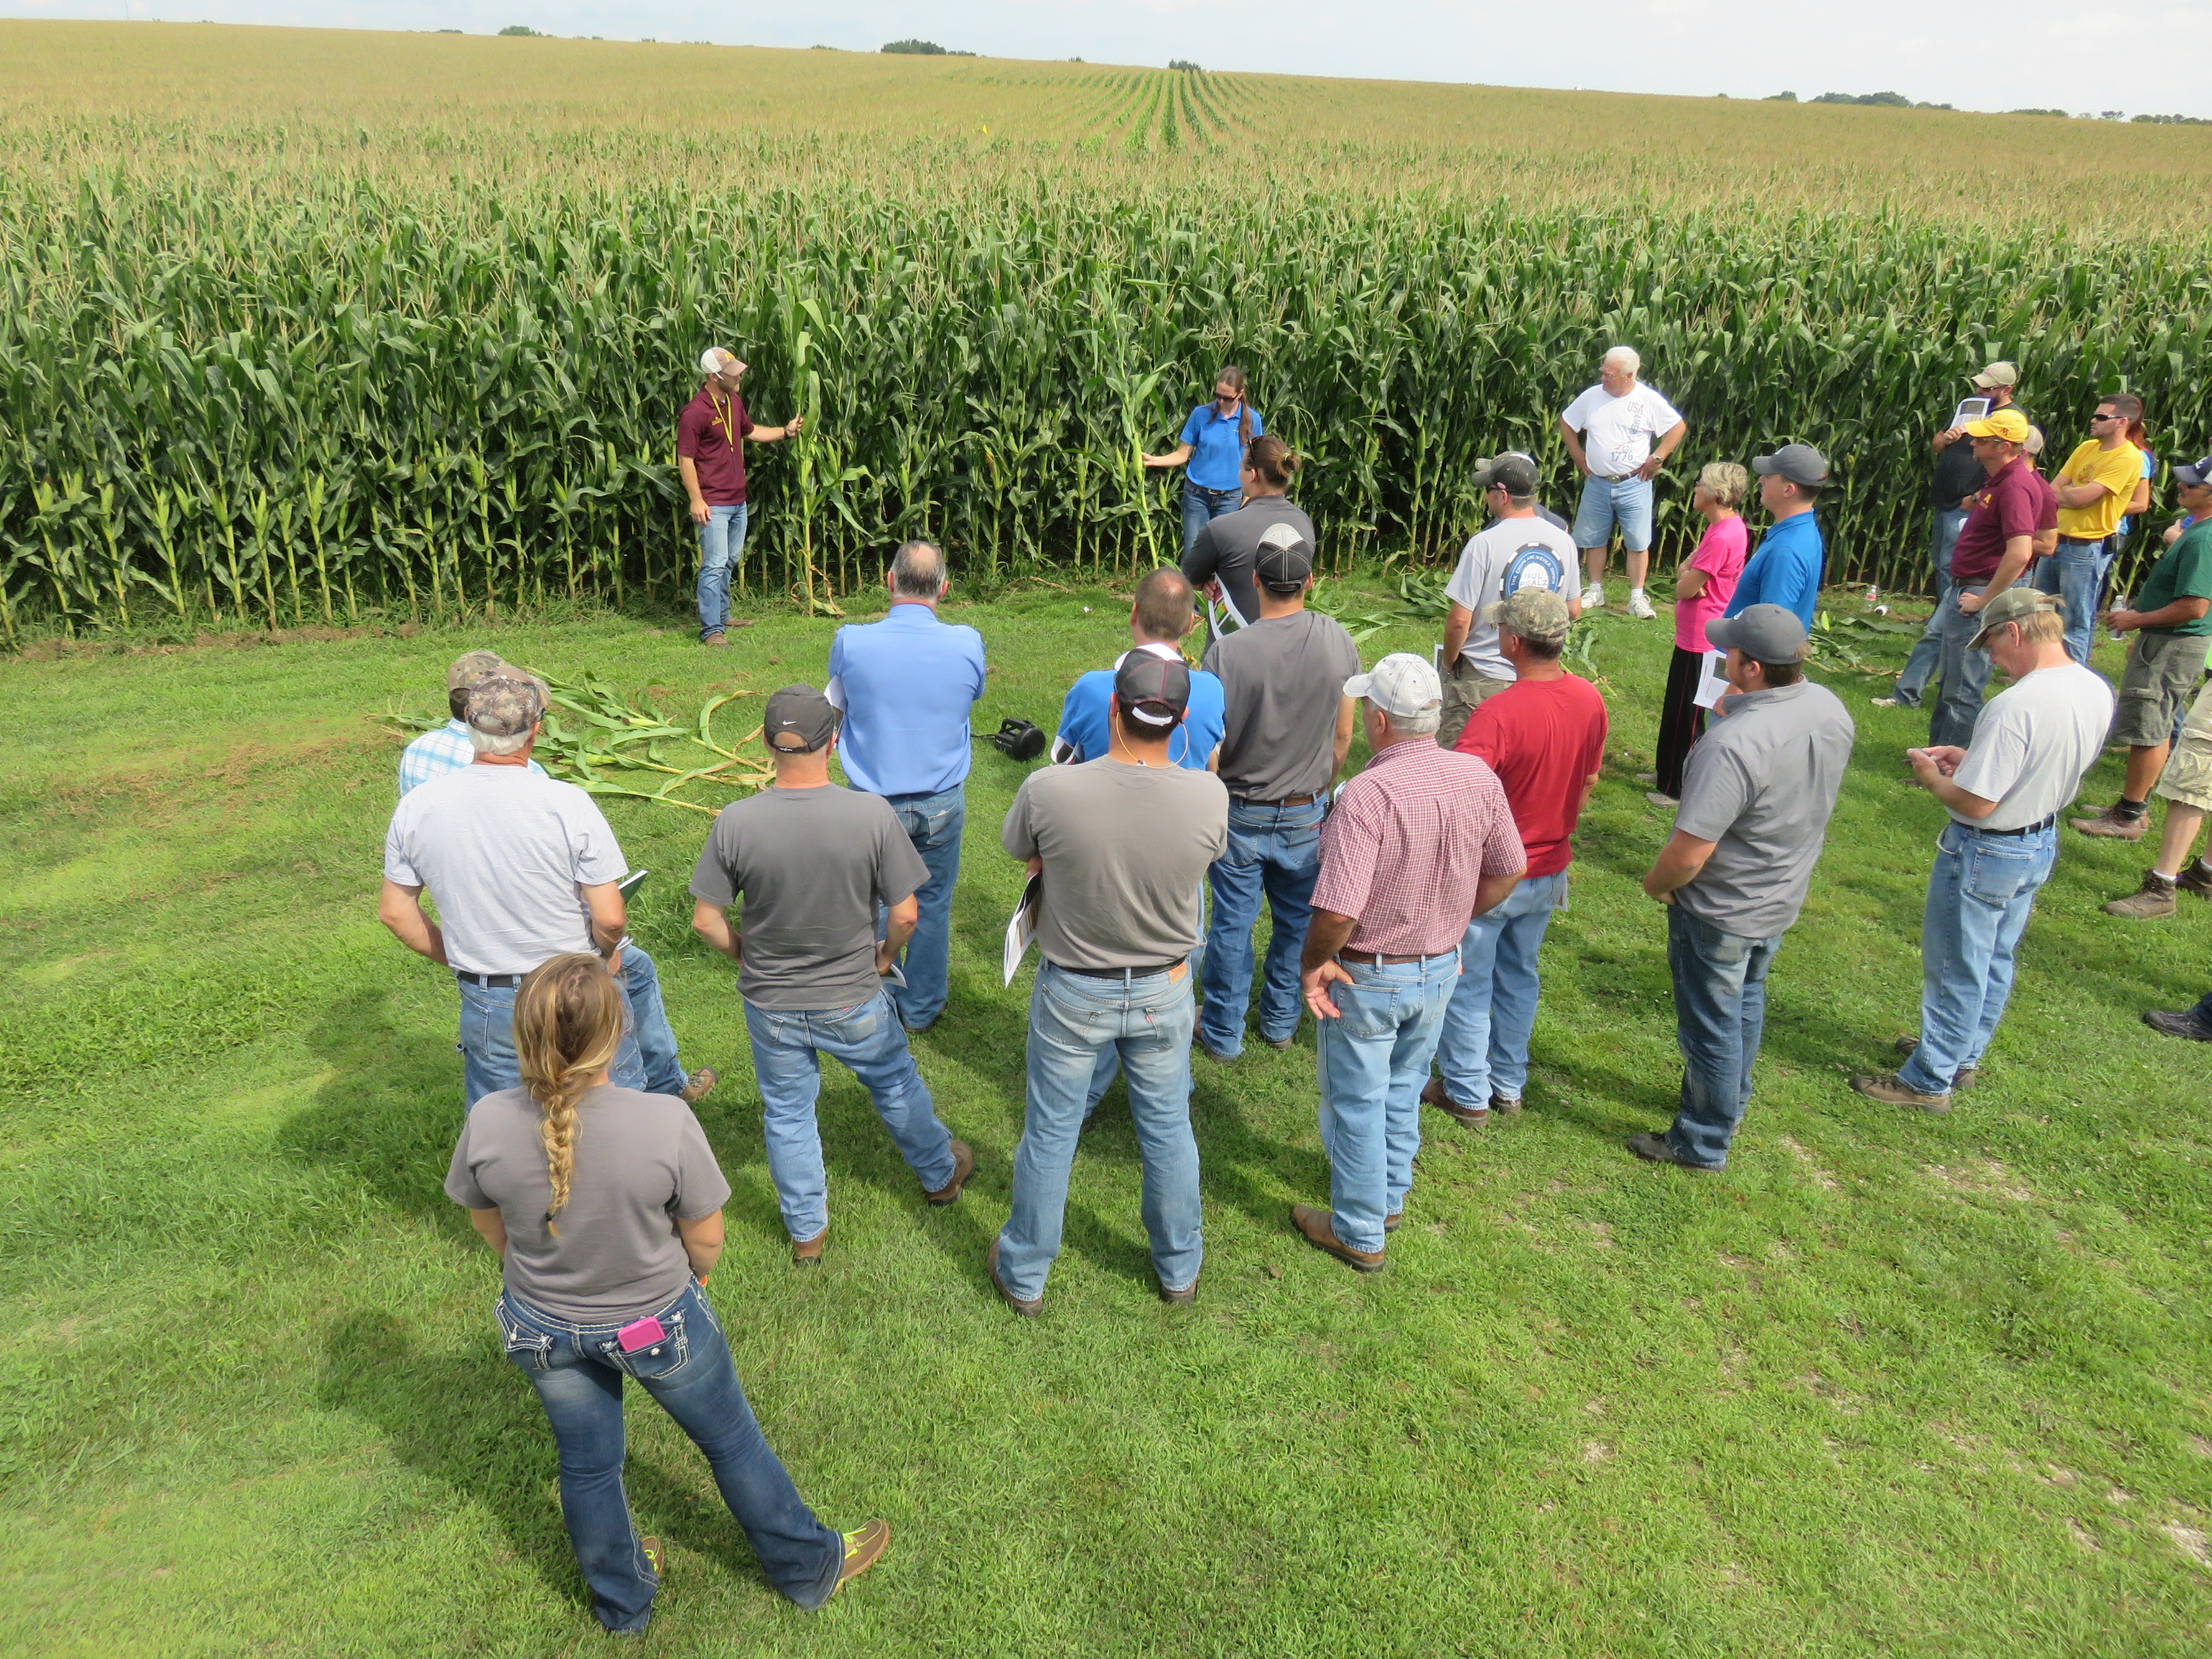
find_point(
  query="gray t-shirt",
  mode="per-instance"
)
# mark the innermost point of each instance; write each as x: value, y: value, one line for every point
x: 2033, y: 742
x: 642, y: 1162
x: 502, y: 850
x: 813, y: 865
x: 1282, y: 682
x: 1510, y: 554
x: 1124, y: 847
x: 1227, y: 546
x: 1760, y: 784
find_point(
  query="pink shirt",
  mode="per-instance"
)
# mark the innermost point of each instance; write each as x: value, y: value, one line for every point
x: 1720, y: 555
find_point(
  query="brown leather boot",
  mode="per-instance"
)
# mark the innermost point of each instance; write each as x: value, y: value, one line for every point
x: 1432, y: 1094
x: 963, y: 1165
x: 804, y: 1250
x: 1319, y: 1232
x: 2149, y: 901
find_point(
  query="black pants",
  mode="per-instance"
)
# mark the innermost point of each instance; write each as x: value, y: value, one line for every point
x: 1681, y: 722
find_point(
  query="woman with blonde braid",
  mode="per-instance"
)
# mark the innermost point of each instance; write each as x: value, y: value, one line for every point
x: 605, y: 1206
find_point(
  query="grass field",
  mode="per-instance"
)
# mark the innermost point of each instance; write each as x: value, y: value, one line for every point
x: 1892, y: 1385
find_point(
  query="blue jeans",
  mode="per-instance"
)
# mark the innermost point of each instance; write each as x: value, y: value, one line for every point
x: 1965, y: 674
x: 577, y: 1372
x: 721, y: 544
x: 487, y: 1045
x: 932, y: 823
x: 1484, y: 1050
x: 2076, y: 572
x: 1720, y: 1014
x: 1374, y: 1061
x: 1610, y: 504
x: 648, y: 1024
x: 1079, y: 1027
x: 1274, y: 853
x: 1202, y: 506
x: 1928, y: 649
x: 1979, y: 895
x: 867, y: 1037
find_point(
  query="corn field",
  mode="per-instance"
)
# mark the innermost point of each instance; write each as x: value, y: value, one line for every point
x: 258, y: 382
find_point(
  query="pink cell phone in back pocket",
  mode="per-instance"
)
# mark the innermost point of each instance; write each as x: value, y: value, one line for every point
x: 639, y: 1333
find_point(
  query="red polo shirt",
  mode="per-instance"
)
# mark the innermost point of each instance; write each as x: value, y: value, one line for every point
x: 711, y: 433
x: 2014, y: 501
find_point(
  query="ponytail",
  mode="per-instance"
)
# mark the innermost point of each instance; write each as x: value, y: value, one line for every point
x: 1273, y: 460
x: 1233, y: 377
x: 568, y: 1022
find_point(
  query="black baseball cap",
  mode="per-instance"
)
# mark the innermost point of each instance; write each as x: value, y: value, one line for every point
x: 801, y: 712
x: 1284, y: 559
x: 1512, y: 472
x: 1155, y: 689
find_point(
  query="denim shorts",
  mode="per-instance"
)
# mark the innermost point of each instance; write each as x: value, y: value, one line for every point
x: 1610, y: 504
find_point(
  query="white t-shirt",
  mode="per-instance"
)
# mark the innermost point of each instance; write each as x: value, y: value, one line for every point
x: 1617, y: 432
x: 2033, y: 742
x: 503, y: 851
x: 1511, y: 554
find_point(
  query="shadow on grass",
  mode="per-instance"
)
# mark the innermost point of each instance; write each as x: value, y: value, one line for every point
x: 390, y: 1110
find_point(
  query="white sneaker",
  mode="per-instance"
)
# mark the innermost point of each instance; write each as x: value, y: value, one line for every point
x: 1638, y: 606
x: 1593, y: 597
x: 1888, y: 702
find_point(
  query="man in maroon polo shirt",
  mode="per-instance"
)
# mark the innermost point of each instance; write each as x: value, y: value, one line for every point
x: 1992, y: 552
x: 710, y: 454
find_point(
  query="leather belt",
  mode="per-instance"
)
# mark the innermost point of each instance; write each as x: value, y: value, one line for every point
x: 1386, y: 959
x: 2024, y: 830
x: 1126, y: 973
x: 1287, y: 800
x: 489, y: 981
x: 2082, y: 541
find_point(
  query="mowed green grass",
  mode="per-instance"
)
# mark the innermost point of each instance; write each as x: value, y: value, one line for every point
x: 1890, y: 1385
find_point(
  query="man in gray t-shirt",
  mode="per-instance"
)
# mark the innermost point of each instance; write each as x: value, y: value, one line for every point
x: 813, y: 863
x: 1119, y: 845
x: 1286, y: 728
x: 1756, y: 798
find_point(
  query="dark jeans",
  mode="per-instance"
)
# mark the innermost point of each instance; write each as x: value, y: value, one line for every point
x: 1682, y: 721
x: 1965, y: 676
x: 577, y: 1372
x: 1202, y: 506
x: 1720, y: 1014
x: 1274, y: 857
x: 932, y: 823
x: 1928, y: 650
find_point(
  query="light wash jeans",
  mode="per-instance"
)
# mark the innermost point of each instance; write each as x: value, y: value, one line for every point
x: 1274, y: 856
x: 1720, y: 1014
x: 1374, y: 1061
x: 1079, y: 1028
x: 934, y: 825
x: 786, y: 1049
x: 1610, y: 504
x: 2076, y: 572
x: 1484, y: 1050
x: 1928, y: 649
x: 577, y: 1372
x: 648, y: 1024
x: 721, y: 544
x: 1980, y: 893
x: 1965, y: 673
x: 1202, y: 506
x: 489, y: 1063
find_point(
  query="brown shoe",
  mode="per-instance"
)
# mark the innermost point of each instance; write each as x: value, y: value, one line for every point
x: 1889, y: 1087
x: 714, y: 639
x: 2110, y: 822
x: 863, y: 1549
x: 699, y: 1084
x: 963, y: 1165
x: 1432, y: 1094
x: 1505, y: 1108
x: 1181, y: 1298
x: 1316, y: 1227
x: 2148, y: 902
x: 2197, y: 879
x: 1029, y: 1309
x: 1961, y: 1080
x: 804, y: 1250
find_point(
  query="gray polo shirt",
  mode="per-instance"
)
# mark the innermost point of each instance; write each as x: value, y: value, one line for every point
x: 1760, y: 784
x: 1282, y: 683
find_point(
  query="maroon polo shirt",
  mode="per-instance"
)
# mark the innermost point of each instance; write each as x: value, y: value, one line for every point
x: 711, y: 432
x: 2014, y: 502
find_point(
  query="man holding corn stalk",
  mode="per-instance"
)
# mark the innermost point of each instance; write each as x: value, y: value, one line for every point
x: 1618, y: 434
x: 710, y: 454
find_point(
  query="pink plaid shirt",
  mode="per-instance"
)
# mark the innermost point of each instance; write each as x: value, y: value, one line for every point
x: 1406, y: 843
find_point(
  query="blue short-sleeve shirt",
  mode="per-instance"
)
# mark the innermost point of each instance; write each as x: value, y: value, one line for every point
x: 1784, y: 569
x: 906, y: 684
x: 1216, y: 455
x: 1083, y: 720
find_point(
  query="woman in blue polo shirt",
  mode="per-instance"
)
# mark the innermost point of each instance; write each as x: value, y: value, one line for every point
x: 1213, y: 442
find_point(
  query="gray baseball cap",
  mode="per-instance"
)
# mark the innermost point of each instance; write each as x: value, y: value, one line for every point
x: 1284, y: 558
x: 802, y: 712
x: 1513, y: 472
x: 1764, y: 633
x: 2016, y: 604
x: 506, y: 705
x: 1800, y: 464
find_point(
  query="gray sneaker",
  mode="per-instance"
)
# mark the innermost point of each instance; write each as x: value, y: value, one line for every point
x: 2183, y: 1025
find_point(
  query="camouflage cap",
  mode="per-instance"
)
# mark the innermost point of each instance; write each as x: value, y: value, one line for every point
x: 1534, y: 612
x: 2016, y: 604
x: 506, y: 705
x: 471, y: 666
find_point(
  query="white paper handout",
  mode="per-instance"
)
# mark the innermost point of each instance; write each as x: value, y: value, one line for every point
x: 1712, y: 682
x: 1022, y: 929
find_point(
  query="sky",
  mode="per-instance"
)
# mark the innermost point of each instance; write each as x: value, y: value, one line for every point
x: 2091, y: 56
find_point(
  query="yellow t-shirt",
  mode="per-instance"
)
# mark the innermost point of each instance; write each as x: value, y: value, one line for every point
x: 2119, y: 470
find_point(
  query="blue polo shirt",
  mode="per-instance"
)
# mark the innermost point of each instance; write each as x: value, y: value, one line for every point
x: 1784, y: 569
x: 1083, y: 720
x: 1216, y: 456
x: 906, y: 684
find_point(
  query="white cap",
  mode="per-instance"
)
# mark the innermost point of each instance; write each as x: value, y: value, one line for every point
x: 1403, y: 685
x: 710, y: 360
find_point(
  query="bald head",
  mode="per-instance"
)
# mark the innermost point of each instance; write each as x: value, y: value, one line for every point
x: 1165, y: 606
x: 918, y: 572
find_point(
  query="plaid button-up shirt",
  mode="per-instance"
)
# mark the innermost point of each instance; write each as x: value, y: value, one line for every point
x: 436, y: 753
x: 1406, y: 844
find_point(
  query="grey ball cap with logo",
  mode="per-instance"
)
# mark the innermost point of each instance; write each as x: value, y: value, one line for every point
x: 801, y: 712
x: 506, y: 705
x: 1284, y: 561
x: 1797, y: 464
x: 2016, y: 604
x: 1764, y: 633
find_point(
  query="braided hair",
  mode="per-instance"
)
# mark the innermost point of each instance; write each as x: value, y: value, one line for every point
x: 568, y: 1022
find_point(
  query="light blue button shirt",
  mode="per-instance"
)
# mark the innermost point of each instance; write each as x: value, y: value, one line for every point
x: 906, y: 684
